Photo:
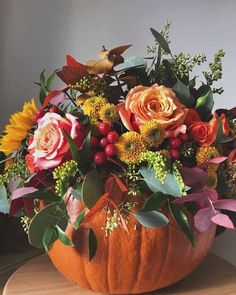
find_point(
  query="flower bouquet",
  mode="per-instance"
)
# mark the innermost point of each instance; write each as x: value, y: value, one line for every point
x: 124, y: 173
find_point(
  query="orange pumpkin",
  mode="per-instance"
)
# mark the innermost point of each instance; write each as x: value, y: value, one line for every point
x: 143, y: 261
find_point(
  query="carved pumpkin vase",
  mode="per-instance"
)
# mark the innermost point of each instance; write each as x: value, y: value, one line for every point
x: 142, y: 261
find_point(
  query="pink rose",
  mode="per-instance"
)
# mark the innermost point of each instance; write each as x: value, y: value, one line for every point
x: 158, y: 103
x: 49, y: 144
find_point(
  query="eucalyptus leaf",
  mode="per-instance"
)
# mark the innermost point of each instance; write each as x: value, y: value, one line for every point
x: 49, y: 237
x: 79, y: 219
x: 182, y: 220
x: 43, y: 195
x: 49, y: 216
x: 183, y: 93
x: 4, y: 202
x: 154, y: 202
x: 62, y: 236
x: 169, y: 187
x: 92, y: 244
x: 92, y: 188
x: 161, y: 40
x: 151, y: 219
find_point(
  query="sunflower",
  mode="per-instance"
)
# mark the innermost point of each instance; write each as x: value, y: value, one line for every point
x: 205, y: 154
x: 92, y: 106
x: 152, y: 133
x: 19, y: 125
x: 130, y: 147
x: 109, y: 113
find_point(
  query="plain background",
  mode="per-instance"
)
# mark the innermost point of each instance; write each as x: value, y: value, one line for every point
x: 38, y: 34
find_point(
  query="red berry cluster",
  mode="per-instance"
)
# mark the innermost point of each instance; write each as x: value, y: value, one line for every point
x: 104, y: 141
x: 176, y: 143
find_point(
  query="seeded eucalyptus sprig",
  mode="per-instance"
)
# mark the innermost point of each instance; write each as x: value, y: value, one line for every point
x: 216, y: 71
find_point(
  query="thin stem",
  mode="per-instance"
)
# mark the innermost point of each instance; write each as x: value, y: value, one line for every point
x: 71, y: 99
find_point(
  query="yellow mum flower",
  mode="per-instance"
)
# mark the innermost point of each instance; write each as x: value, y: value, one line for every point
x: 153, y: 133
x: 130, y: 147
x: 205, y: 154
x: 212, y: 178
x: 92, y: 105
x: 109, y: 113
x: 19, y: 125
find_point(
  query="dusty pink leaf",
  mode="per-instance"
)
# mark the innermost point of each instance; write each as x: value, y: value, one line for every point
x: 195, y: 177
x: 226, y: 204
x: 222, y: 220
x: 20, y: 192
x: 202, y: 219
x: 217, y: 160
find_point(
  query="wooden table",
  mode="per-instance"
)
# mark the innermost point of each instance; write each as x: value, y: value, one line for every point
x: 38, y: 277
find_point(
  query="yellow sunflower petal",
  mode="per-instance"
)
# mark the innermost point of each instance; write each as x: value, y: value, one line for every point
x: 19, y: 125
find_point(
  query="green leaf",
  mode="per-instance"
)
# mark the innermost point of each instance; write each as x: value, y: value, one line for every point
x: 151, y: 219
x: 154, y: 202
x: 183, y: 93
x: 79, y: 219
x: 161, y: 40
x: 49, y: 237
x: 92, y: 244
x: 220, y: 133
x: 169, y: 187
x: 42, y: 77
x: 73, y: 147
x: 192, y: 82
x: 50, y: 80
x: 92, y: 188
x: 45, y: 218
x: 205, y: 101
x: 4, y: 202
x: 84, y: 155
x: 63, y: 237
x: 182, y: 220
x: 43, y: 195
x: 42, y: 93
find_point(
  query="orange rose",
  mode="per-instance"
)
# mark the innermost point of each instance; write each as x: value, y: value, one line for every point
x: 192, y: 117
x: 158, y: 103
x: 203, y: 132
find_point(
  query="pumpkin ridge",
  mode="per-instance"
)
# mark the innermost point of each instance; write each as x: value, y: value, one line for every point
x: 139, y: 258
x: 166, y: 255
x: 108, y: 261
x: 84, y: 264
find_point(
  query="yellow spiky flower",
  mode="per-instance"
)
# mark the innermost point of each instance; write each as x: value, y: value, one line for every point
x: 92, y: 105
x: 109, y: 113
x: 130, y: 147
x: 19, y: 125
x: 212, y: 178
x: 152, y: 133
x: 205, y: 154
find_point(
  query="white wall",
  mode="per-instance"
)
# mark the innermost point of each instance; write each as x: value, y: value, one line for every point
x: 38, y: 34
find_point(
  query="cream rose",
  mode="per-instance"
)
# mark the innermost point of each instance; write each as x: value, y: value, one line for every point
x: 49, y: 144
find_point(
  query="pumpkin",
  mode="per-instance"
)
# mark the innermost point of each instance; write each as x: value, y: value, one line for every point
x: 142, y: 261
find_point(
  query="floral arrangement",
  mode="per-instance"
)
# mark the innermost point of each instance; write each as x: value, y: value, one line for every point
x: 131, y: 137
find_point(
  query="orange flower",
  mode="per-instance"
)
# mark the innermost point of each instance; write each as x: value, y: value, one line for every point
x: 204, y: 133
x: 156, y: 103
x: 192, y: 117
